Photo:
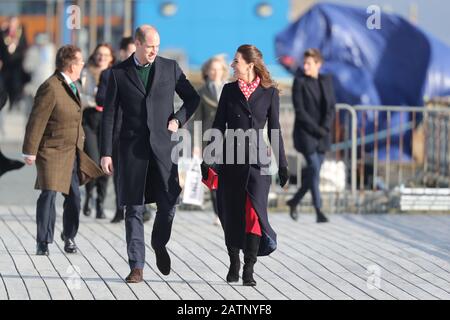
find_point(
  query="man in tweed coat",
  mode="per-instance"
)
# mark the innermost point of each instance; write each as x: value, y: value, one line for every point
x: 54, y: 140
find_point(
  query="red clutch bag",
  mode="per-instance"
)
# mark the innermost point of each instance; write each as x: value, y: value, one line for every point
x: 213, y: 180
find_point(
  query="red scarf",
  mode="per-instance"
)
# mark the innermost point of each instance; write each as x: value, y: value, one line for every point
x: 248, y: 88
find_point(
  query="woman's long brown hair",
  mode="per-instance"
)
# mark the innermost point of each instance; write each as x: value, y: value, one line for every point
x: 252, y: 54
x: 91, y: 60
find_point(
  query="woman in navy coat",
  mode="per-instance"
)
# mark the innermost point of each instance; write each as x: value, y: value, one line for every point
x: 244, y: 177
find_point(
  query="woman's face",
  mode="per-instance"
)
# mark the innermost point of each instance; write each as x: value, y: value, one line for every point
x: 240, y: 67
x: 215, y: 72
x: 103, y: 57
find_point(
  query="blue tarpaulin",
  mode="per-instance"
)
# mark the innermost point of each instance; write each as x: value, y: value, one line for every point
x: 395, y: 64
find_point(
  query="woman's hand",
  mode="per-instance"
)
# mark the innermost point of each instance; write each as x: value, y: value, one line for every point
x: 204, y: 167
x: 173, y: 125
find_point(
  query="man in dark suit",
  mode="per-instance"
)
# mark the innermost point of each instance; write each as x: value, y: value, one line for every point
x: 127, y: 48
x: 142, y: 88
x: 314, y: 104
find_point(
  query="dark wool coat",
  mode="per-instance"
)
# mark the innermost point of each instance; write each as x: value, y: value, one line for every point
x: 238, y: 180
x: 143, y: 132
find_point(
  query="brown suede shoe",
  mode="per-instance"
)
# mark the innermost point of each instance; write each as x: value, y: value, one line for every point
x: 135, y: 276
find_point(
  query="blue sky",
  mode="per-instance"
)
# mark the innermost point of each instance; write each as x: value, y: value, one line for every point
x: 433, y: 15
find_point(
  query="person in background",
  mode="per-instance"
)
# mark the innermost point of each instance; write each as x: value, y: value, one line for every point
x: 6, y: 164
x: 54, y: 140
x: 247, y: 104
x: 101, y: 59
x: 314, y: 104
x: 215, y: 74
x: 13, y: 45
x: 39, y: 62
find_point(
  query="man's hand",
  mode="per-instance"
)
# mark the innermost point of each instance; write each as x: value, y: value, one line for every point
x: 173, y: 125
x: 107, y: 165
x: 29, y: 160
x: 283, y: 174
x: 323, y: 132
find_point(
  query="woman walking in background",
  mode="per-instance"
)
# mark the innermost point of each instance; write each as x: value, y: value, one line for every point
x: 247, y: 104
x: 215, y: 74
x: 101, y: 59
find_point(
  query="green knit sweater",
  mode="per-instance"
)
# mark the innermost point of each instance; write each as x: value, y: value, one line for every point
x: 144, y: 74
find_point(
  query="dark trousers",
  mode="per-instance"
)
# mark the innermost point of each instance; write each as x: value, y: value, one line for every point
x: 115, y: 158
x: 46, y: 211
x: 162, y: 226
x: 310, y: 180
x: 92, y: 125
x: 214, y: 201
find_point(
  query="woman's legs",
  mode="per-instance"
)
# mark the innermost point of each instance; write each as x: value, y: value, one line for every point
x: 250, y: 254
x: 253, y: 236
x: 235, y: 265
x: 216, y: 209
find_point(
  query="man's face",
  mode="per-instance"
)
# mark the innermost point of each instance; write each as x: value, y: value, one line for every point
x: 148, y: 50
x: 311, y: 67
x: 77, y: 66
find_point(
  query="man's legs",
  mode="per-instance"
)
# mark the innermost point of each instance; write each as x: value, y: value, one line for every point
x: 134, y: 227
x: 45, y: 216
x: 72, y: 205
x: 315, y: 163
x: 317, y: 160
x: 162, y: 226
x: 165, y: 213
x: 306, y: 185
x: 102, y: 185
x: 310, y: 182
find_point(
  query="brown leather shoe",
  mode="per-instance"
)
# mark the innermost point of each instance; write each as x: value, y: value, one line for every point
x: 135, y: 276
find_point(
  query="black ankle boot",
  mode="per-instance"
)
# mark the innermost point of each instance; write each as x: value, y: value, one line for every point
x: 292, y: 209
x: 118, y: 216
x: 250, y: 254
x: 235, y: 265
x: 321, y: 218
x: 86, y: 207
x: 99, y: 208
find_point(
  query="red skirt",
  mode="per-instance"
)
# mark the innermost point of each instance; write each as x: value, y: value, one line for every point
x: 251, y: 219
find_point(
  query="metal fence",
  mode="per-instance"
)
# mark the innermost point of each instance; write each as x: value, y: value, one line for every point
x: 385, y: 150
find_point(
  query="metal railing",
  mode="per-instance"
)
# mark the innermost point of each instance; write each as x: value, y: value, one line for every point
x: 384, y: 148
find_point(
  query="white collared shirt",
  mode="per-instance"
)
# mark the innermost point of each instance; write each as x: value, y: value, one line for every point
x: 136, y: 61
x: 67, y: 78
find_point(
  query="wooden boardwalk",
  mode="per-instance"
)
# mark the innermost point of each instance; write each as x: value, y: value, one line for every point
x: 353, y: 257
